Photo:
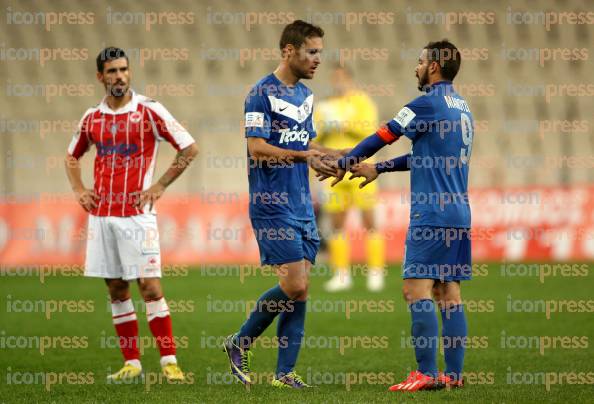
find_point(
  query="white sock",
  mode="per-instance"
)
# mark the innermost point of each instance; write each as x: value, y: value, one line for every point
x: 157, y: 308
x: 134, y: 362
x: 343, y: 274
x: 167, y: 359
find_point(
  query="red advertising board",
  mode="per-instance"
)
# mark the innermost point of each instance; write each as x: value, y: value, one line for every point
x: 536, y: 224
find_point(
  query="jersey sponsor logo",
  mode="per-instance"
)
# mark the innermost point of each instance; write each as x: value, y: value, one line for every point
x: 254, y: 120
x: 404, y: 116
x: 122, y: 149
x: 287, y: 136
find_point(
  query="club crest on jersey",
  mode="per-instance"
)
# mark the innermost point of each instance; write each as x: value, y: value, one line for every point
x: 303, y: 112
x: 287, y: 136
x: 135, y: 117
x: 306, y: 108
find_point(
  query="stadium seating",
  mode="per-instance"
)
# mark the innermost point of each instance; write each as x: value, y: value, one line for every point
x: 519, y: 127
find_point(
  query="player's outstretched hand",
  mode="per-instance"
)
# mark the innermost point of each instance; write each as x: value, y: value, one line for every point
x: 338, y: 176
x: 321, y: 163
x: 86, y: 198
x: 364, y: 170
x: 149, y: 196
x: 322, y: 177
x: 336, y: 154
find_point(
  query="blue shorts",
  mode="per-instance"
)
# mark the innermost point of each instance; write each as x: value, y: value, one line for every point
x: 441, y: 253
x: 286, y: 240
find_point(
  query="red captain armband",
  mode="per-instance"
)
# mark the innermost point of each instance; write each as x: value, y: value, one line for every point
x: 387, y: 135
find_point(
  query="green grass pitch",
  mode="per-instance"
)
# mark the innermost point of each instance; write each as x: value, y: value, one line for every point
x: 516, y: 329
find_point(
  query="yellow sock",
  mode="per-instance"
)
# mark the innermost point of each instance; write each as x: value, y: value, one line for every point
x: 376, y: 251
x: 339, y: 252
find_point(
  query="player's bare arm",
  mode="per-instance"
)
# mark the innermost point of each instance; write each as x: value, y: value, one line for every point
x: 261, y: 150
x: 334, y: 153
x: 84, y: 196
x: 181, y: 161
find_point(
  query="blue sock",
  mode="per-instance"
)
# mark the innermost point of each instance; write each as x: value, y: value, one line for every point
x: 454, y: 333
x: 290, y: 333
x: 267, y: 307
x: 424, y: 331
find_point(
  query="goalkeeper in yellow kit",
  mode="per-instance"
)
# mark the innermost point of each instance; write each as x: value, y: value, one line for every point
x: 342, y: 121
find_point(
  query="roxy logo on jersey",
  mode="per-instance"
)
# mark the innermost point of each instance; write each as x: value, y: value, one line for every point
x: 108, y: 147
x: 294, y: 135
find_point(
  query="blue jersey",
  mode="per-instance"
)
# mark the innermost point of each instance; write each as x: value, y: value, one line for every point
x: 440, y: 126
x: 283, y: 116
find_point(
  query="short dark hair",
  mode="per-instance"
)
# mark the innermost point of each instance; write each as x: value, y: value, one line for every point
x: 446, y: 55
x: 296, y: 33
x: 107, y: 54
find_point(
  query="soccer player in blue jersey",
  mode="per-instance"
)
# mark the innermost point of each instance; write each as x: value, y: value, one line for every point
x: 279, y: 127
x: 437, y: 250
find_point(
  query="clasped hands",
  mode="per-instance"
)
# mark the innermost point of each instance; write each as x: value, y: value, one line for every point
x: 326, y: 166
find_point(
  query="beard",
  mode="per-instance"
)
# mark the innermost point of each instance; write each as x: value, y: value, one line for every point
x: 301, y: 73
x: 118, y: 91
x: 423, y: 80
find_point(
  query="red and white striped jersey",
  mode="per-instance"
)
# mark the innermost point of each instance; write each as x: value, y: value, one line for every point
x: 127, y: 141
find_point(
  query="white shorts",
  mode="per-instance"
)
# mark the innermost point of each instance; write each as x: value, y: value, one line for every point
x: 123, y: 247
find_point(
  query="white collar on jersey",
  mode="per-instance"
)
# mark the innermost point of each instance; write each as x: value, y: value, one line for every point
x: 131, y: 106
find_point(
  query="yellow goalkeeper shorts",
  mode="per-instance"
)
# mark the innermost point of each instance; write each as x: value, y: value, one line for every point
x: 346, y: 194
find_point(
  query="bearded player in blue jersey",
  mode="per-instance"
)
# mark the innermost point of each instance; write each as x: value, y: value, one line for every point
x: 278, y: 128
x: 437, y: 250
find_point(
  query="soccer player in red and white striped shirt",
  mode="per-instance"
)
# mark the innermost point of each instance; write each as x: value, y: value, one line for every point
x: 123, y: 241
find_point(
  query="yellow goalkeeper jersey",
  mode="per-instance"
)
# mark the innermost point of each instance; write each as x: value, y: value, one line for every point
x: 342, y: 122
